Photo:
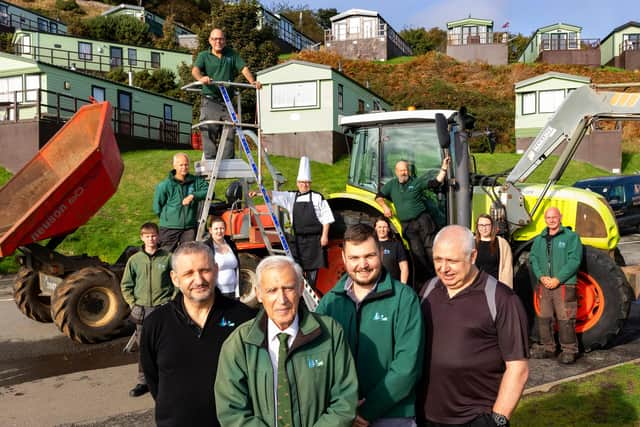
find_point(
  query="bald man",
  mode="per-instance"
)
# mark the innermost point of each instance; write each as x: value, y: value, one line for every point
x: 555, y: 258
x: 220, y: 63
x: 418, y: 227
x: 476, y: 339
x: 176, y: 203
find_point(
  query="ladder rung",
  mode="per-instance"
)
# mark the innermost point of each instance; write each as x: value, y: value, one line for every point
x: 228, y: 168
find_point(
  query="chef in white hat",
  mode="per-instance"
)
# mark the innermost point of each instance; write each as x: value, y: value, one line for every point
x: 311, y: 217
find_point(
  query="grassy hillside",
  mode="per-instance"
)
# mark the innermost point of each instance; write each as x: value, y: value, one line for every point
x: 435, y: 80
x: 116, y: 225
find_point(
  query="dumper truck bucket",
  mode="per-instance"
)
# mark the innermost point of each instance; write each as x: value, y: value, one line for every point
x: 66, y: 182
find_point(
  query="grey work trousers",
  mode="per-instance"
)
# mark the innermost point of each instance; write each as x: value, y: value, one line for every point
x: 561, y: 302
x: 211, y: 109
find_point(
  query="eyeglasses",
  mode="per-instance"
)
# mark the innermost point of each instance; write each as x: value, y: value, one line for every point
x: 216, y: 39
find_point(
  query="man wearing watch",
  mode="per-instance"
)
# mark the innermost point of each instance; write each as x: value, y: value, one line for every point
x: 476, y: 346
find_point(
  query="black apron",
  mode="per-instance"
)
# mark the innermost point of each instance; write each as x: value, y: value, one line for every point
x: 307, y: 229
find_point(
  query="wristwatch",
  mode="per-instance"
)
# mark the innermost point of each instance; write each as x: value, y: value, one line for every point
x: 500, y: 419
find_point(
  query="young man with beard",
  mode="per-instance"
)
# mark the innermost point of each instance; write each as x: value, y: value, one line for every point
x: 382, y: 320
x: 181, y: 340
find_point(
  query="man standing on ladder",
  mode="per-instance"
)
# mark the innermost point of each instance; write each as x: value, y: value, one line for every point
x: 311, y: 218
x: 221, y: 63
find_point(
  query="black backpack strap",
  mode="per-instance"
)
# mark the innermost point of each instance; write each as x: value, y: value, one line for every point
x: 426, y: 289
x: 490, y: 293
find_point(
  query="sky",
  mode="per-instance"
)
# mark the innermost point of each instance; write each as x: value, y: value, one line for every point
x: 596, y: 17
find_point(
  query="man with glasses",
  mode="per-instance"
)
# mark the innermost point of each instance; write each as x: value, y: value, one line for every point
x: 221, y: 63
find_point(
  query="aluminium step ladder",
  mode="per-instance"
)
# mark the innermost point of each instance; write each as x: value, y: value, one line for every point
x: 238, y: 168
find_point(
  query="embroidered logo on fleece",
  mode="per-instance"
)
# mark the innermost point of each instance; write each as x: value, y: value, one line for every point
x: 226, y: 323
x: 314, y: 363
x: 381, y: 317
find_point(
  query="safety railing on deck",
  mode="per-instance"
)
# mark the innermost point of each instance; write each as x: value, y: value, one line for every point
x: 83, y: 61
x: 23, y: 23
x: 565, y: 44
x: 44, y: 104
x: 475, y: 39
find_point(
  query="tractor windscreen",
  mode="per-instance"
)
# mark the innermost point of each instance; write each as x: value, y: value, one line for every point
x: 415, y: 143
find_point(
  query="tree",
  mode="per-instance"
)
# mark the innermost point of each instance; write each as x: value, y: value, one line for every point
x: 303, y: 18
x: 169, y: 37
x: 323, y: 17
x: 121, y: 28
x: 160, y: 81
x: 517, y: 44
x: 423, y: 41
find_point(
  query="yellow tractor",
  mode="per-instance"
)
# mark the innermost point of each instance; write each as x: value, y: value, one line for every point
x: 424, y: 137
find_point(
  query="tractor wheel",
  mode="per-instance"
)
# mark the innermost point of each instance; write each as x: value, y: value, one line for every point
x: 88, y: 306
x: 26, y: 293
x: 248, y: 279
x: 604, y: 300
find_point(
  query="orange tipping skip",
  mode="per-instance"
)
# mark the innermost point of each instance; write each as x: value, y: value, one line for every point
x: 65, y: 184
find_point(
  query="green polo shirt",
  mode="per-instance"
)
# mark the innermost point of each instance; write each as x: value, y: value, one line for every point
x: 225, y: 68
x: 408, y: 198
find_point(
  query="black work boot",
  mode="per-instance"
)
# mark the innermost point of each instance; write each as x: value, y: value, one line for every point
x: 568, y: 341
x: 567, y: 358
x: 538, y: 351
x: 139, y: 390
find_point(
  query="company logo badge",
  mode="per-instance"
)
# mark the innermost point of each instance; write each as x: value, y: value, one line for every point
x: 226, y: 323
x: 380, y: 317
x: 314, y: 363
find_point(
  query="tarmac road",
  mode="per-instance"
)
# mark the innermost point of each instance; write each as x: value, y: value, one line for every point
x: 48, y: 380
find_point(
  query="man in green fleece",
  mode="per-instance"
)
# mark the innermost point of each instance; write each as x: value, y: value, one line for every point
x: 176, y: 203
x: 555, y: 258
x: 288, y: 366
x: 145, y: 285
x: 383, y: 323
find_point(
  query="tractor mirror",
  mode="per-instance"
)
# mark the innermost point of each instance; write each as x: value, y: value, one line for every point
x: 442, y: 129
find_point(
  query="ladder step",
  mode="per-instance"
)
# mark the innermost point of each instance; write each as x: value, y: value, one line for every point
x: 228, y: 168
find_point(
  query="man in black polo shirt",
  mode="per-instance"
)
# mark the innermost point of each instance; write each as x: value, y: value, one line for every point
x: 418, y: 227
x: 222, y: 64
x: 476, y: 348
x: 181, y: 340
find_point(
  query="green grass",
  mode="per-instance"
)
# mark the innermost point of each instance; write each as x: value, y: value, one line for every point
x: 398, y: 60
x: 116, y: 225
x: 611, y: 398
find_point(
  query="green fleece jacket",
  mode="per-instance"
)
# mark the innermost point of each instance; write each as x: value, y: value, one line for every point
x: 564, y: 260
x: 324, y: 386
x: 167, y: 201
x: 146, y: 280
x: 386, y: 336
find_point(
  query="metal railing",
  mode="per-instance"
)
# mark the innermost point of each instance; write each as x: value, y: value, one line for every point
x: 475, y: 39
x: 629, y: 45
x: 83, y: 61
x: 382, y: 30
x: 23, y: 23
x: 44, y: 104
x: 564, y: 44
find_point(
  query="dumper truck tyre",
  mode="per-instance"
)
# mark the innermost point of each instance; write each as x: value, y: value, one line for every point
x: 248, y: 279
x: 604, y: 300
x: 26, y: 294
x: 88, y: 306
